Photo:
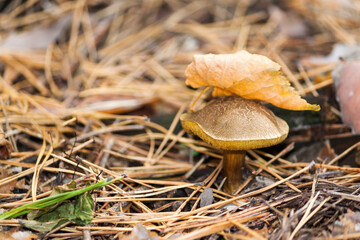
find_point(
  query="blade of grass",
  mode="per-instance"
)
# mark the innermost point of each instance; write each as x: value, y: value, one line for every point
x: 48, y: 201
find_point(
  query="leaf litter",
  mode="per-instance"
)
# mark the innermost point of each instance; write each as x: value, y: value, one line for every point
x: 79, y: 107
x: 250, y: 76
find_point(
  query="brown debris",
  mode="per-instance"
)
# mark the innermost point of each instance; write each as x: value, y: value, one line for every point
x: 5, y: 146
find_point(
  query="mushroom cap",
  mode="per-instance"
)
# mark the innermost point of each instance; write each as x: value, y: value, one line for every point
x: 235, y: 123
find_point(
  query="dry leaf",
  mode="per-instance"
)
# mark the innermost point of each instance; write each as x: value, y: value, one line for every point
x: 139, y: 232
x: 248, y: 75
x: 6, y: 188
x: 339, y: 51
x: 5, y: 146
x: 39, y: 37
x: 289, y: 23
x: 17, y: 235
x: 112, y: 103
x: 348, y: 223
x: 347, y: 83
x: 206, y: 197
x: 5, y: 149
x: 342, y: 12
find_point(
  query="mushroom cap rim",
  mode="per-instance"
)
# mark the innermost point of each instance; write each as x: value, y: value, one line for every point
x: 194, y: 128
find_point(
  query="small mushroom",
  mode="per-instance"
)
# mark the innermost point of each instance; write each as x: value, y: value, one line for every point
x: 234, y: 124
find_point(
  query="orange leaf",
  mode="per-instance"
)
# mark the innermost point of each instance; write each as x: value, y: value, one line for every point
x: 248, y: 75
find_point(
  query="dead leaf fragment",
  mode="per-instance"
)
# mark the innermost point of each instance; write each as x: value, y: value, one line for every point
x: 347, y: 85
x: 206, y: 197
x: 139, y: 232
x: 5, y: 146
x: 6, y: 188
x: 17, y: 235
x: 288, y: 22
x: 348, y: 223
x: 112, y: 103
x: 5, y: 149
x: 38, y: 38
x: 248, y: 75
x: 343, y: 12
x: 339, y: 51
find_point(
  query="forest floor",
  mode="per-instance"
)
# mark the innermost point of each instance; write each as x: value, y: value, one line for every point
x: 92, y: 90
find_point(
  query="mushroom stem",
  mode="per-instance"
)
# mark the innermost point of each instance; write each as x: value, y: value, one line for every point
x: 233, y: 167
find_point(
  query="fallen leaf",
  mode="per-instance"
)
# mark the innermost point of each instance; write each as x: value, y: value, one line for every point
x: 78, y: 210
x: 112, y: 103
x: 36, y: 209
x: 5, y: 146
x: 342, y: 12
x: 289, y: 23
x: 139, y: 232
x: 17, y: 235
x: 348, y: 223
x: 347, y: 84
x: 21, y: 184
x: 6, y: 188
x: 206, y: 197
x: 339, y: 51
x: 326, y: 153
x: 248, y: 75
x: 37, y: 38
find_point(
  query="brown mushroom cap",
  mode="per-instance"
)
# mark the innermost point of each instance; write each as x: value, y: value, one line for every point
x: 235, y: 123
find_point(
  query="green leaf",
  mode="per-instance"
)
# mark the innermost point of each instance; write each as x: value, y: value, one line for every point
x: 46, y: 221
x: 51, y: 200
x: 67, y: 205
x: 43, y: 226
x: 56, y: 191
x: 78, y: 210
x: 84, y: 209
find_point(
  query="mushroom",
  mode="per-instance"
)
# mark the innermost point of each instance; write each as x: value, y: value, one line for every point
x: 234, y: 124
